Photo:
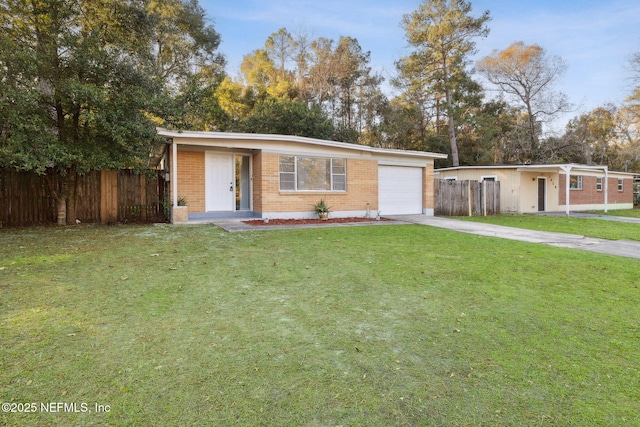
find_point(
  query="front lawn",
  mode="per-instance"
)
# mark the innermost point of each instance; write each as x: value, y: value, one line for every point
x: 561, y: 224
x: 631, y: 213
x: 400, y: 325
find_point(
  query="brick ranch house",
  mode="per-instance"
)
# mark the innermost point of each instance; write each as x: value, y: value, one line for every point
x: 537, y: 188
x: 236, y: 175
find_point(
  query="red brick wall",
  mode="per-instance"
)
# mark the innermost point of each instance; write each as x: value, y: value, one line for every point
x: 590, y: 195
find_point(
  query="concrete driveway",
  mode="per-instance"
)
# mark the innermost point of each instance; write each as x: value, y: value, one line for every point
x: 593, y: 216
x: 626, y: 248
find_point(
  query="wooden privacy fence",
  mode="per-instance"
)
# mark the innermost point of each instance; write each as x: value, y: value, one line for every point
x: 466, y: 198
x: 100, y: 197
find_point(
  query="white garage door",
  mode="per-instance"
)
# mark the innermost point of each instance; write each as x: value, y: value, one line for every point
x: 399, y: 190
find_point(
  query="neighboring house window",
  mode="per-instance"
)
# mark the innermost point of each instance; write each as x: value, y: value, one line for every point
x: 450, y: 178
x: 299, y: 173
x: 599, y: 184
x: 575, y: 182
x: 620, y: 185
x: 489, y: 178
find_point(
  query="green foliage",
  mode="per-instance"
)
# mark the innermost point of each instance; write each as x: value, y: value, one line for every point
x: 79, y: 103
x: 441, y: 33
x: 335, y: 77
x: 321, y: 207
x: 344, y: 133
x: 287, y: 117
x: 83, y: 84
x: 487, y: 134
x: 181, y: 40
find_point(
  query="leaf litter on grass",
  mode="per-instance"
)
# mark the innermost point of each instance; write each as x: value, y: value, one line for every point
x: 242, y: 330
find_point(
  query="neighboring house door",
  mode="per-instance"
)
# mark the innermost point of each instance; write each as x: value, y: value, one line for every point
x: 399, y: 190
x: 219, y: 182
x: 542, y: 194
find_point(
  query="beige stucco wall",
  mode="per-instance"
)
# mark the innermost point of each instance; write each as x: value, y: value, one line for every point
x: 519, y: 190
x: 529, y: 191
x: 509, y: 184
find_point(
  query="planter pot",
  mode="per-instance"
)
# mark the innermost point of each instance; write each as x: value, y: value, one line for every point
x: 323, y: 215
x: 179, y: 215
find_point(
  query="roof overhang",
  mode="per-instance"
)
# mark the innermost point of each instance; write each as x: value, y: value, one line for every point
x: 261, y: 141
x: 552, y: 168
x: 561, y: 168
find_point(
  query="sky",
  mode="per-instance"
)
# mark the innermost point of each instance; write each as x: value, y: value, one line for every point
x: 595, y: 38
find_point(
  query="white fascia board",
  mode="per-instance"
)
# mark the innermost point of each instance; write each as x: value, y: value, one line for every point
x: 262, y: 141
x: 545, y: 168
x: 301, y: 150
x: 457, y: 168
x: 404, y: 162
x: 574, y: 167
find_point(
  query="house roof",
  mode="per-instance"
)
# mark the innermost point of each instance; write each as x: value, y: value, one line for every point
x: 541, y: 168
x: 209, y: 138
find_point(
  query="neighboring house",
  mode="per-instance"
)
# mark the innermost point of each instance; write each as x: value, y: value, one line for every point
x: 223, y: 175
x: 533, y: 188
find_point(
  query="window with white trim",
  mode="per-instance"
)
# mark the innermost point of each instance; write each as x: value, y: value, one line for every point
x: 302, y: 173
x: 620, y: 184
x: 599, y: 184
x: 491, y: 178
x: 575, y: 182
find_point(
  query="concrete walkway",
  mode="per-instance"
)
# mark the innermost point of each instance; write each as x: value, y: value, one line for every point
x: 624, y: 248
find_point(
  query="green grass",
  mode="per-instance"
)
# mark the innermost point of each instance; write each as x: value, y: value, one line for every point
x: 583, y: 226
x: 631, y: 213
x: 399, y: 325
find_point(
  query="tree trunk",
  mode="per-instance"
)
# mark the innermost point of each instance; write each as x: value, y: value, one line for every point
x: 61, y: 205
x: 452, y: 131
x: 72, y: 196
x: 533, y: 140
x: 61, y: 198
x: 58, y: 188
x: 454, y: 143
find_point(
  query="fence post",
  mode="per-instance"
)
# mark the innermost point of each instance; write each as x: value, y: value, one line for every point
x: 469, y: 198
x: 108, y: 196
x: 484, y: 198
x: 143, y: 197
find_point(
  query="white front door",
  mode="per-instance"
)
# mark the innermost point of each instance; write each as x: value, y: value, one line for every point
x: 219, y: 182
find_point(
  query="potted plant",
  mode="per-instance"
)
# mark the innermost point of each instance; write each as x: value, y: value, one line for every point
x: 321, y: 209
x: 180, y: 212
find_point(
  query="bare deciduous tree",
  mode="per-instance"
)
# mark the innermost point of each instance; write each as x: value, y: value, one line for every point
x: 527, y: 74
